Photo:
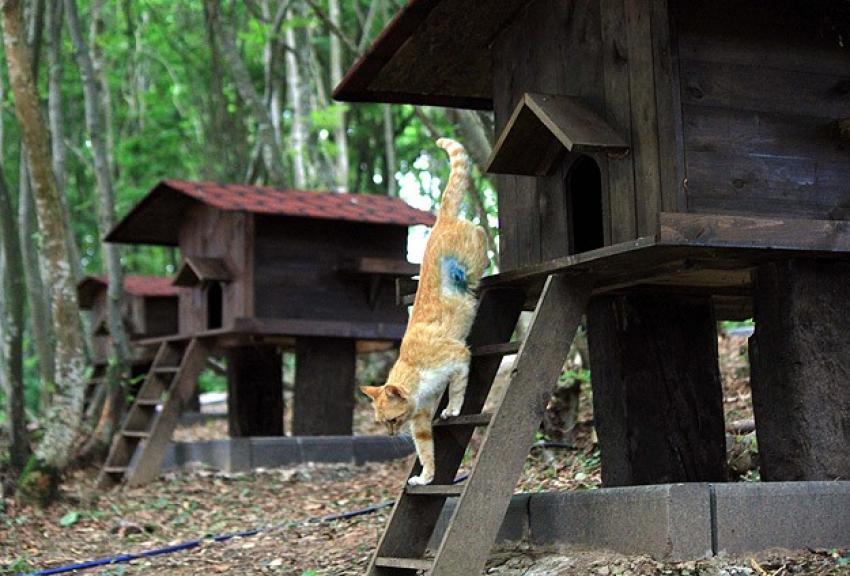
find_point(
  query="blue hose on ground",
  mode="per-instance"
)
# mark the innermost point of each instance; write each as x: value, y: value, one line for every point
x: 122, y: 558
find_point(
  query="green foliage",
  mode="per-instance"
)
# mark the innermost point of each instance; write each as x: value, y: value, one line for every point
x: 210, y: 381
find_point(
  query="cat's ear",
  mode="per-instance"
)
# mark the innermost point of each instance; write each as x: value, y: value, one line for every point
x: 371, y: 391
x: 395, y: 391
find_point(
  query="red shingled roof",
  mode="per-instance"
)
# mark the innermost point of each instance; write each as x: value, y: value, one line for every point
x: 135, y: 285
x: 328, y: 205
x: 154, y: 219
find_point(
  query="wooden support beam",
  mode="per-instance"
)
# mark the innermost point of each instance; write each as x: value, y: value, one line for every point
x: 800, y: 369
x: 324, y: 387
x: 254, y: 391
x: 657, y: 396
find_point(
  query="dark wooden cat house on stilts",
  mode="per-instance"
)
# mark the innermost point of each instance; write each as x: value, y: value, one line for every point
x: 262, y: 271
x: 661, y: 164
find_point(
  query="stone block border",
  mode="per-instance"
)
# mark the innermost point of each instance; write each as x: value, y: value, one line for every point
x: 242, y: 454
x: 681, y: 521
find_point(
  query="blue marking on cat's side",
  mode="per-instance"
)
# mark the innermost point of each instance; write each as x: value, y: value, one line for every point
x: 453, y: 275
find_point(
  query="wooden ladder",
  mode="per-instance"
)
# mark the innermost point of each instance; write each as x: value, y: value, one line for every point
x: 484, y: 497
x: 136, y: 453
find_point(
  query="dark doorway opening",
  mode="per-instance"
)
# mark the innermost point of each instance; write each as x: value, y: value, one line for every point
x: 215, y: 305
x: 584, y: 205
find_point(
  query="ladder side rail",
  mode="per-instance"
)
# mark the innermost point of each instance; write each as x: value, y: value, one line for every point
x: 413, y: 519
x: 481, y: 508
x: 147, y: 460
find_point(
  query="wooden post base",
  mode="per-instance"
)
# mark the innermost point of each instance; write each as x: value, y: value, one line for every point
x: 657, y: 395
x: 324, y: 387
x: 254, y: 391
x: 800, y: 370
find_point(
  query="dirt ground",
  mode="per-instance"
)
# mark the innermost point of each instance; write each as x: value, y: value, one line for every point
x: 86, y: 524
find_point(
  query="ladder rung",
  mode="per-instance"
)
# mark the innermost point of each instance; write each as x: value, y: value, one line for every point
x: 482, y: 419
x: 147, y: 402
x: 502, y: 349
x: 446, y: 490
x: 404, y: 563
x: 114, y: 469
x: 166, y: 369
x: 135, y: 434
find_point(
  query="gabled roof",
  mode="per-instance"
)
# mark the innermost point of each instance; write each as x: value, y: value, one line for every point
x: 156, y: 218
x: 543, y: 127
x: 197, y: 270
x: 434, y: 52
x: 134, y: 285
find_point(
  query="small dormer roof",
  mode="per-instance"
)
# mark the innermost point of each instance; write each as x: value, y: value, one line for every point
x: 543, y: 127
x: 197, y: 270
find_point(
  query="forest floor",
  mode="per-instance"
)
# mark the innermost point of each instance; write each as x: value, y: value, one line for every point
x: 88, y: 524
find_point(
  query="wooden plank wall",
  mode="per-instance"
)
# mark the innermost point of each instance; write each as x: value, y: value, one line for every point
x: 552, y: 47
x: 763, y: 84
x: 296, y: 269
x: 212, y: 233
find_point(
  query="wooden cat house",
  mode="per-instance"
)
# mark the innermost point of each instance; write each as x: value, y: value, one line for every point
x: 265, y: 270
x: 689, y: 161
x: 149, y: 311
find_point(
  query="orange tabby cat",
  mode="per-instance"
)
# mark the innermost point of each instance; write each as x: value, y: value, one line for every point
x: 433, y: 351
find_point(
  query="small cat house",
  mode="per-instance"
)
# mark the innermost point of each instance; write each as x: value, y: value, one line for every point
x: 262, y: 270
x: 149, y: 310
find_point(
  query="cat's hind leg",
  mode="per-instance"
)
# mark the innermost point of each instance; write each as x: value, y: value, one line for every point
x: 457, y: 391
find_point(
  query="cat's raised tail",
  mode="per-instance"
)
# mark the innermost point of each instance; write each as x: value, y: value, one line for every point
x: 458, y: 179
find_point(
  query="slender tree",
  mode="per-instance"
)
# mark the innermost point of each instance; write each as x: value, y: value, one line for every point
x: 12, y: 330
x: 63, y: 421
x: 297, y: 105
x: 119, y: 368
x: 340, y: 131
x: 239, y: 73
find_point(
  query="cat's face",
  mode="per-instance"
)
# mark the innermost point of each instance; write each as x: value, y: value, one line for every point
x: 392, y: 407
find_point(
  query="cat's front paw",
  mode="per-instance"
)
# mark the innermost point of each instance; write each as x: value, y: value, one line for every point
x: 449, y: 413
x: 420, y: 480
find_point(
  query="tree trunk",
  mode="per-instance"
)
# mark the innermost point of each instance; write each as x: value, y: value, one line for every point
x: 800, y: 359
x: 12, y: 331
x: 323, y: 403
x: 37, y: 296
x: 657, y: 396
x: 254, y: 391
x: 389, y: 151
x: 53, y: 453
x: 340, y: 134
x: 265, y: 130
x: 298, y: 136
x: 119, y: 368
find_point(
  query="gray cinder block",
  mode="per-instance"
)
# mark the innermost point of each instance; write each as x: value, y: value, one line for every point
x: 752, y: 517
x: 271, y: 451
x: 326, y: 448
x: 381, y: 448
x: 514, y: 527
x: 670, y: 521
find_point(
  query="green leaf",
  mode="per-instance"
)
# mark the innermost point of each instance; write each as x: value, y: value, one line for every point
x: 69, y: 519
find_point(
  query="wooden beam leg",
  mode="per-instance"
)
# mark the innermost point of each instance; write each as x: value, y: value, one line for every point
x: 800, y: 369
x: 324, y: 387
x: 657, y: 395
x: 255, y: 391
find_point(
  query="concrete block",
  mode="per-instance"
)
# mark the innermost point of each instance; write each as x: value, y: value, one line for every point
x: 272, y: 451
x: 669, y: 521
x: 514, y: 527
x: 330, y: 449
x: 756, y: 516
x: 381, y: 448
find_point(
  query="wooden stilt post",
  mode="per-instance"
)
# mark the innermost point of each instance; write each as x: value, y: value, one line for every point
x: 255, y: 391
x: 657, y: 396
x: 324, y: 387
x: 800, y: 370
